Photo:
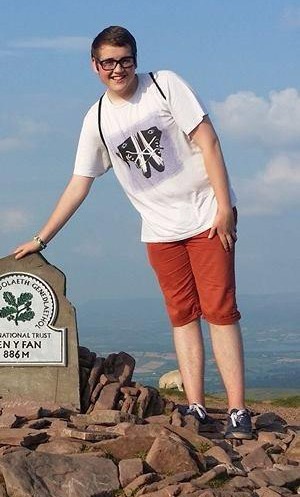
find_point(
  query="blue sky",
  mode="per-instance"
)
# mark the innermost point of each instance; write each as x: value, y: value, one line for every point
x: 243, y: 60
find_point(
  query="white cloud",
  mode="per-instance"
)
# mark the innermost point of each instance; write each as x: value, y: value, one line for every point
x: 6, y: 53
x: 272, y: 122
x: 10, y: 143
x: 88, y: 249
x: 14, y: 219
x: 274, y: 189
x: 21, y: 132
x: 291, y: 16
x: 58, y: 43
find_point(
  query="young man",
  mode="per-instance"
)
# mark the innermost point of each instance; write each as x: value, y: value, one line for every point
x: 165, y: 153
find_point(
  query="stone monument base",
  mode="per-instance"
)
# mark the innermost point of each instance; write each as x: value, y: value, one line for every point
x: 38, y: 334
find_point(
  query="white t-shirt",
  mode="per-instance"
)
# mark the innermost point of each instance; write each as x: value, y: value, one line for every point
x: 160, y: 169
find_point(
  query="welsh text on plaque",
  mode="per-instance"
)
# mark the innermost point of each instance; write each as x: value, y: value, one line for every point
x: 28, y: 309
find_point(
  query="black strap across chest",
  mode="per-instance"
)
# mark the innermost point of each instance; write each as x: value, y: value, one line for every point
x: 100, y: 105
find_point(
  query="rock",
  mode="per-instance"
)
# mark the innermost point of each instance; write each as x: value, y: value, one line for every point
x: 266, y: 492
x: 169, y: 406
x: 268, y: 477
x: 14, y: 436
x: 129, y: 470
x: 256, y: 459
x: 86, y: 357
x: 267, y: 437
x: 93, y: 379
x: 29, y: 474
x: 87, y: 435
x: 96, y: 371
x: 139, y: 482
x: 63, y: 446
x: 161, y: 419
x: 129, y: 403
x: 120, y: 429
x: 270, y: 421
x: 293, y: 452
x: 133, y: 391
x: 283, y: 491
x: 108, y: 397
x: 57, y: 426
x: 258, y: 477
x: 171, y: 456
x: 156, y: 406
x: 84, y: 375
x: 250, y: 446
x: 107, y: 417
x: 2, y: 491
x: 200, y: 443
x: 119, y: 367
x: 40, y: 424
x: 147, y: 430
x: 291, y: 474
x: 143, y: 402
x: 210, y: 475
x: 35, y: 439
x: 8, y: 420
x: 217, y: 455
x: 177, y: 418
x: 191, y: 423
x: 95, y: 394
x: 239, y: 482
x: 126, y: 447
x: 166, y: 482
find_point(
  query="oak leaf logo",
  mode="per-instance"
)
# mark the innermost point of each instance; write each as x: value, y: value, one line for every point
x: 17, y: 309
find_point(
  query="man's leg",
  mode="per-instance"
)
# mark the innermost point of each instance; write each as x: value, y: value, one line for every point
x: 190, y: 354
x: 171, y: 264
x: 228, y: 351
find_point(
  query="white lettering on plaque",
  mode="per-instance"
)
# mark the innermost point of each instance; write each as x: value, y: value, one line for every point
x: 28, y: 308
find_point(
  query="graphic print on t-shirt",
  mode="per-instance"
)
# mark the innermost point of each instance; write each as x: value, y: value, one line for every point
x: 143, y: 150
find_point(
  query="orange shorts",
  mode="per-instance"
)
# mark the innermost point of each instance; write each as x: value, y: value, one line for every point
x: 197, y: 279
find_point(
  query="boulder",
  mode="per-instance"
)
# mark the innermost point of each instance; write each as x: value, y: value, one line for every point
x: 108, y: 398
x: 129, y: 470
x: 170, y: 456
x: 36, y: 474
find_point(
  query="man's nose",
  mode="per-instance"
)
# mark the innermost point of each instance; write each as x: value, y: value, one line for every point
x: 119, y: 67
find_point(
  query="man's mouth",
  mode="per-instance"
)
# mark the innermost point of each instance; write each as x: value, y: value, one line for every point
x: 118, y: 78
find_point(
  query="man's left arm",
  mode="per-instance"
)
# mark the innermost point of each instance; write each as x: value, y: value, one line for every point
x: 207, y: 140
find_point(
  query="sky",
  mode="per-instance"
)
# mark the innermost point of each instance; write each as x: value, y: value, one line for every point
x: 241, y: 57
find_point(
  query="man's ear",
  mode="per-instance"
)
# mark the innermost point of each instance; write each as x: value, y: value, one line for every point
x: 94, y: 65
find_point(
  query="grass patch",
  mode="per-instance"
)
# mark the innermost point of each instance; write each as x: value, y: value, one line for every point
x: 291, y: 401
x: 141, y: 455
x: 218, y: 481
x: 110, y: 456
x: 202, y: 446
x: 85, y: 448
x: 118, y: 493
x: 172, y: 392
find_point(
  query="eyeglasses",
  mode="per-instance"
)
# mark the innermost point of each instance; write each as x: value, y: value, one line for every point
x: 111, y: 64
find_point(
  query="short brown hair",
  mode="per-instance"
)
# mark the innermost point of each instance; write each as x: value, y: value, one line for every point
x: 116, y: 36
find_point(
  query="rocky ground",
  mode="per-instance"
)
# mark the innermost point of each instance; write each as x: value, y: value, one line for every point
x: 129, y: 441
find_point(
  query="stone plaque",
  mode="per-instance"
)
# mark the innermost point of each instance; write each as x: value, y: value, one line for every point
x: 38, y: 333
x: 28, y: 308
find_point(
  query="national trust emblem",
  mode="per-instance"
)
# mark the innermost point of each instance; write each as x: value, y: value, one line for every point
x: 28, y: 308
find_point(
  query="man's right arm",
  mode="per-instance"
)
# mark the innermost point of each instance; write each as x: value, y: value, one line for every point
x: 73, y: 195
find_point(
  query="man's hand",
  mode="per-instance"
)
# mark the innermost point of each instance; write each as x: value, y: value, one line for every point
x: 224, y: 226
x: 27, y: 248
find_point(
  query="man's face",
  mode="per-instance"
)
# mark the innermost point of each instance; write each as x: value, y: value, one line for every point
x: 120, y: 81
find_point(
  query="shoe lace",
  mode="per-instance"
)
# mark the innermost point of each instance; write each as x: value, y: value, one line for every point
x: 200, y: 410
x: 237, y: 417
